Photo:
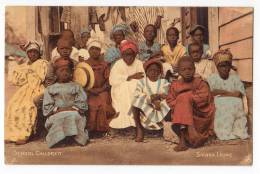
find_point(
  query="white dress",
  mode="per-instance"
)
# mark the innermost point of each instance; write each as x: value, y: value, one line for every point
x: 205, y: 68
x: 74, y: 54
x: 122, y: 91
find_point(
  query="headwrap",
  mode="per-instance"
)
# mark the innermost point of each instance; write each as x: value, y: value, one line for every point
x: 32, y: 45
x: 153, y: 61
x: 120, y: 27
x: 222, y: 56
x: 126, y: 44
x: 96, y: 43
x: 196, y: 27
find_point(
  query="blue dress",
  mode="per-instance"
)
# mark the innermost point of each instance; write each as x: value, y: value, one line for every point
x: 230, y: 119
x: 143, y: 50
x: 65, y: 123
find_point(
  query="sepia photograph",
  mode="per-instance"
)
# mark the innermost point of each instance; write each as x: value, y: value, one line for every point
x: 128, y: 85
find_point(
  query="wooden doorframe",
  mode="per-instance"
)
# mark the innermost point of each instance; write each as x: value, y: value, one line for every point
x: 213, y: 28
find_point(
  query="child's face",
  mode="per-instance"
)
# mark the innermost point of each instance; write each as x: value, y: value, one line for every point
x: 64, y: 74
x: 94, y: 52
x: 172, y: 37
x: 198, y: 36
x: 118, y: 36
x: 84, y: 37
x: 153, y: 72
x: 64, y: 49
x: 149, y: 33
x: 224, y: 69
x: 128, y: 56
x: 196, y: 52
x: 33, y: 55
x: 186, y: 70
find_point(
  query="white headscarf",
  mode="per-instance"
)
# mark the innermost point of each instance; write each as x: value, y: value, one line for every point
x: 96, y: 43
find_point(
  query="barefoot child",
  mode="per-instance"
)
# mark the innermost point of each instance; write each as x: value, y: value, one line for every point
x: 64, y: 104
x: 203, y: 67
x: 149, y: 105
x: 99, y: 99
x: 230, y: 118
x: 192, y: 107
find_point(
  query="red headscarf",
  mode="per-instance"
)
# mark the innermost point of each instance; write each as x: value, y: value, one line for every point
x: 153, y: 61
x: 126, y: 44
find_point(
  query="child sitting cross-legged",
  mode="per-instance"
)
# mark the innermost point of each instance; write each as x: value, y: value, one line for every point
x: 149, y: 105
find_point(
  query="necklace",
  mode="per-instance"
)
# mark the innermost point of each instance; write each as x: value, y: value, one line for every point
x: 149, y: 88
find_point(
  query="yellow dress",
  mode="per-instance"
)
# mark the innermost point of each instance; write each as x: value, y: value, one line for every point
x: 21, y: 111
x: 172, y: 56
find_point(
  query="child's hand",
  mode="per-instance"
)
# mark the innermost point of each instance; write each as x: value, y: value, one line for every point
x: 154, y: 97
x: 137, y: 76
x: 157, y: 105
x: 134, y: 26
x: 163, y: 96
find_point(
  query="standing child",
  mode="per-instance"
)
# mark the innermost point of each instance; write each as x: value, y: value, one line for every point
x: 99, y: 99
x: 203, y: 67
x: 64, y: 104
x: 149, y: 48
x: 149, y: 104
x: 192, y: 107
x: 230, y: 118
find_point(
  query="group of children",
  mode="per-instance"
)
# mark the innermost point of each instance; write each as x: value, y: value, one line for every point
x: 128, y: 85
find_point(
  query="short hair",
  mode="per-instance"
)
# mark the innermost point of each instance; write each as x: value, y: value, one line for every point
x: 173, y: 28
x: 185, y: 59
x: 195, y: 44
x: 67, y: 30
x: 154, y: 28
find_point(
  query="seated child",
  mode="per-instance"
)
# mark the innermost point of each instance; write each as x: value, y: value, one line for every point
x: 192, y: 107
x: 21, y: 113
x: 230, y: 118
x: 99, y: 99
x: 203, y: 67
x: 64, y: 104
x: 149, y: 105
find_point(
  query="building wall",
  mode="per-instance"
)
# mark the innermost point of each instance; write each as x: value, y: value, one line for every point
x: 235, y: 27
x: 18, y: 19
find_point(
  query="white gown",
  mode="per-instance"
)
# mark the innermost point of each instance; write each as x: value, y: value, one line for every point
x: 122, y: 91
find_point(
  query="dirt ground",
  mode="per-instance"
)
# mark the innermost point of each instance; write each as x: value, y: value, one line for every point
x: 125, y: 151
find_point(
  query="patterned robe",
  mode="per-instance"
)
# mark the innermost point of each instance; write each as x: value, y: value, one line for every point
x: 142, y: 101
x: 21, y: 112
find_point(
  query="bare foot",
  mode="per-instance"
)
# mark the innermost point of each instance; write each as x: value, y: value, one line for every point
x: 180, y: 147
x: 8, y: 141
x: 139, y: 135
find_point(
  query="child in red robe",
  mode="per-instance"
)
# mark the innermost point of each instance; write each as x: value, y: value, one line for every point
x: 99, y: 99
x: 192, y: 107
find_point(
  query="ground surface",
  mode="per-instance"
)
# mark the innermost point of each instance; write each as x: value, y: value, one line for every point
x: 123, y: 150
